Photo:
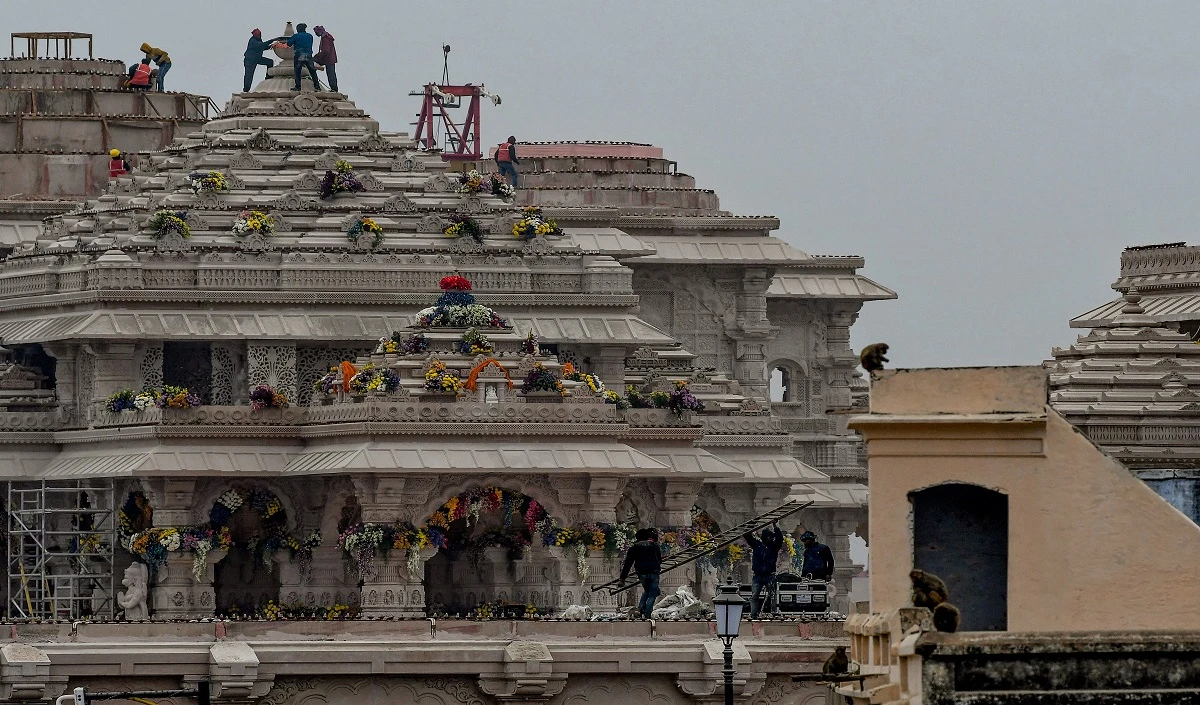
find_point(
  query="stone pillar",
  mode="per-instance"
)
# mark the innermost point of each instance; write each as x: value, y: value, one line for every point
x: 609, y: 364
x: 603, y: 494
x: 273, y: 365
x: 679, y: 496
x: 393, y: 590
x: 115, y: 369
x: 841, y: 360
x: 176, y: 594
x: 753, y: 331
x: 66, y: 370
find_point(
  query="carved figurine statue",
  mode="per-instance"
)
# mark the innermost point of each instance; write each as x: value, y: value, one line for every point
x: 133, y: 599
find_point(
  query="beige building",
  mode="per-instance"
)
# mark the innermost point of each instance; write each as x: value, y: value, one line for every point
x: 1035, y: 531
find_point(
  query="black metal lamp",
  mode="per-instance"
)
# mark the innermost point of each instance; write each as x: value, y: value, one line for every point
x: 728, y: 605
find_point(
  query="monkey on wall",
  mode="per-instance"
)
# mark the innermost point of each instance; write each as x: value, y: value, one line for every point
x: 929, y: 591
x: 838, y: 662
x: 872, y: 357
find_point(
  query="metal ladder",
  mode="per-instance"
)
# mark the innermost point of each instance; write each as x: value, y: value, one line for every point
x: 716, y: 543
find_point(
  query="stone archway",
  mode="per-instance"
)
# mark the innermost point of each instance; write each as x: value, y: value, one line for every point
x: 960, y: 534
x: 247, y: 578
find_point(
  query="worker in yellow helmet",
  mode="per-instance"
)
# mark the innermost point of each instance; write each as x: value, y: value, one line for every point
x: 160, y: 59
x: 118, y: 165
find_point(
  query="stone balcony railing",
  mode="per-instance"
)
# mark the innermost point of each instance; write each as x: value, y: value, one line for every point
x: 30, y: 420
x: 881, y: 650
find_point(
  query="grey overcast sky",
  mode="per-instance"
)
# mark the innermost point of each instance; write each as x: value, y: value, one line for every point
x: 989, y: 159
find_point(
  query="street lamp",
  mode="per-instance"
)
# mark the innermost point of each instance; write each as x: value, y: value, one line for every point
x: 728, y: 605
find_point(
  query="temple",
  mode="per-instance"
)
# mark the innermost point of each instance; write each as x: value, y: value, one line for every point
x: 294, y: 366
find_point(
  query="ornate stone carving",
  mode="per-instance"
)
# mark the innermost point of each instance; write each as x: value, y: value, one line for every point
x: 137, y: 590
x: 308, y: 181
x: 465, y: 246
x: 375, y: 142
x: 375, y: 690
x: 151, y: 366
x: 195, y: 221
x: 273, y: 365
x: 245, y: 159
x: 439, y: 184
x: 209, y: 201
x: 399, y: 203
x: 407, y: 162
x: 327, y: 161
x: 370, y: 182
x: 473, y: 205
x: 290, y: 201
x: 538, y: 246
x: 262, y: 140
x: 172, y: 242
x: 306, y: 104
x: 430, y: 224
x: 282, y: 224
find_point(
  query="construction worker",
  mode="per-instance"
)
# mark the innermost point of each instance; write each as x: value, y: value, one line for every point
x: 818, y: 559
x: 117, y: 166
x: 327, y: 56
x: 161, y: 60
x: 646, y: 557
x: 253, y: 58
x: 506, y: 157
x: 140, y: 75
x: 765, y: 556
x: 302, y: 43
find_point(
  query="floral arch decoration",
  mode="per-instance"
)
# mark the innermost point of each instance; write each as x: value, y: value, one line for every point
x: 153, y: 545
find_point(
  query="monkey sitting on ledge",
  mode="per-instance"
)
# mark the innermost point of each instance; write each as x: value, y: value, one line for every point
x: 872, y: 358
x: 930, y: 592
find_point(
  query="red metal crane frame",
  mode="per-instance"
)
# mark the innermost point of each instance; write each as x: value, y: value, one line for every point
x: 464, y: 137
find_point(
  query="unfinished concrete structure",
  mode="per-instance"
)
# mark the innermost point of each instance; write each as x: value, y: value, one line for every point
x: 977, y: 479
x: 59, y: 117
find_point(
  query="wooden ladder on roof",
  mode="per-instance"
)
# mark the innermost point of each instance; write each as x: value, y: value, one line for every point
x: 716, y: 543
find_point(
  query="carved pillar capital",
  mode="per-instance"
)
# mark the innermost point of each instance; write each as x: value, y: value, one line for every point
x: 380, y: 496
x: 172, y: 499
x: 528, y: 675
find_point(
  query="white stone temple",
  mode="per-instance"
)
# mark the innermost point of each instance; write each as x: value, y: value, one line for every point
x: 360, y: 435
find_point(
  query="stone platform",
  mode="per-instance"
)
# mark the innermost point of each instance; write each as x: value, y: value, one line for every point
x: 422, y: 660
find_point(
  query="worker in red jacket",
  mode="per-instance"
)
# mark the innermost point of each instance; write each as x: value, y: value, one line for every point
x: 117, y: 166
x: 327, y: 56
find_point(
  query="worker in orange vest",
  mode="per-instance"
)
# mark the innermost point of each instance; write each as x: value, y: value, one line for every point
x: 506, y: 157
x: 117, y: 166
x: 139, y: 75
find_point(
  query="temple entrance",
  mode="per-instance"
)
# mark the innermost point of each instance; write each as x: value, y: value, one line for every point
x: 492, y: 554
x: 247, y: 578
x: 960, y: 534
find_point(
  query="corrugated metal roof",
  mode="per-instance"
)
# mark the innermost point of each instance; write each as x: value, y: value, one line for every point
x: 839, y: 286
x: 695, y: 461
x: 683, y: 249
x: 837, y: 495
x: 165, y: 325
x: 469, y: 456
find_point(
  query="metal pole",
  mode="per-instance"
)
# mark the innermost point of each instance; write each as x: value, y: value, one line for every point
x: 728, y: 670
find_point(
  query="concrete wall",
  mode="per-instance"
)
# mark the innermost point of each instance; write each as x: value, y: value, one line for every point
x: 1090, y: 546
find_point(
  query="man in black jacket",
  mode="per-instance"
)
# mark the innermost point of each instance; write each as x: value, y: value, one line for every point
x: 766, y: 555
x: 818, y: 559
x: 646, y: 557
x: 253, y: 58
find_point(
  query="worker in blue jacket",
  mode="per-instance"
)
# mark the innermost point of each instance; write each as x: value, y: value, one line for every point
x: 253, y: 58
x: 765, y: 556
x: 302, y: 43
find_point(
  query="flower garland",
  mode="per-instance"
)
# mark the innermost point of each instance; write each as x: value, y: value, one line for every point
x: 208, y: 182
x: 472, y: 378
x: 541, y: 379
x: 438, y: 379
x: 263, y: 397
x: 611, y: 397
x: 129, y: 400
x: 461, y: 225
x: 592, y: 381
x: 273, y: 612
x: 340, y: 180
x: 681, y: 400
x: 475, y: 343
x: 529, y: 345
x: 413, y: 344
x: 456, y: 308
x: 253, y: 222
x: 328, y: 385
x: 375, y: 379
x: 164, y: 222
x: 177, y: 398
x: 501, y: 188
x: 363, y: 543
x: 136, y: 515
x: 534, y: 224
x: 368, y: 226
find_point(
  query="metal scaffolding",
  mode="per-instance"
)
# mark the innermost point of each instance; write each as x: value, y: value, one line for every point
x: 61, y: 536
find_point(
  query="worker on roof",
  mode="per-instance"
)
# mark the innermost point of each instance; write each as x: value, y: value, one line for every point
x: 506, y: 157
x: 160, y: 59
x: 302, y: 43
x: 817, y: 563
x: 140, y: 76
x: 327, y: 56
x: 117, y: 166
x: 253, y: 58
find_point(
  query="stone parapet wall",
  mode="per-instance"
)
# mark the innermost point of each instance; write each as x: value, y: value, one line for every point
x: 639, y: 198
x: 597, y: 178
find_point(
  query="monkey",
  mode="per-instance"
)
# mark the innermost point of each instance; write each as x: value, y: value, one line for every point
x: 872, y: 357
x: 946, y: 618
x: 837, y: 662
x: 929, y: 591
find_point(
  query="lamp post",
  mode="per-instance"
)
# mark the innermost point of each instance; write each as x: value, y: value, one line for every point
x: 728, y: 605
